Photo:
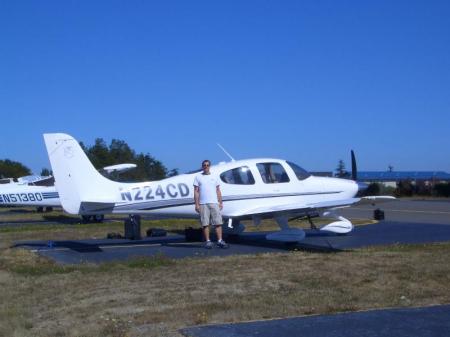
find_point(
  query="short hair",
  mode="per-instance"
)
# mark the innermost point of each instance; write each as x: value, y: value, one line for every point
x: 206, y: 161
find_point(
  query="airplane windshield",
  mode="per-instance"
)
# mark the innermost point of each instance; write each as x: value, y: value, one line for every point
x: 301, y: 173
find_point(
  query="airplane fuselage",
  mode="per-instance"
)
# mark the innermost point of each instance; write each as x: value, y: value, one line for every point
x: 26, y: 195
x: 245, y: 184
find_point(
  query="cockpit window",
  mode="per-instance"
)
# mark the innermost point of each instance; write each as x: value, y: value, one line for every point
x: 272, y: 173
x: 238, y: 176
x: 301, y: 173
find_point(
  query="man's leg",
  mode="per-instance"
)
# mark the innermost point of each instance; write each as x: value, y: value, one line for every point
x: 206, y: 232
x: 217, y: 222
x: 208, y: 243
x: 220, y: 242
x: 204, y: 219
x: 219, y: 232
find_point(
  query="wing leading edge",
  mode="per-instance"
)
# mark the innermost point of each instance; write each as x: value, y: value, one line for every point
x: 297, y: 208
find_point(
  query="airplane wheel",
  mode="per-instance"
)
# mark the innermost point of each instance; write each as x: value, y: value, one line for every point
x: 86, y: 218
x: 40, y: 209
x: 98, y: 218
x: 48, y: 209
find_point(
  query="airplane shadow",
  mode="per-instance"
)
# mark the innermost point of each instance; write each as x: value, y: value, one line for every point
x: 319, y: 246
x: 77, y: 246
x: 61, y: 219
x: 18, y: 211
x: 320, y: 243
x: 193, y: 245
x: 84, y: 246
x: 315, y: 241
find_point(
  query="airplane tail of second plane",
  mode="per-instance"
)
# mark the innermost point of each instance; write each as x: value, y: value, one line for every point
x: 80, y: 186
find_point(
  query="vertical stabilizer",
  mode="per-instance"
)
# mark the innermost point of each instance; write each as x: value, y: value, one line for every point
x: 76, y: 179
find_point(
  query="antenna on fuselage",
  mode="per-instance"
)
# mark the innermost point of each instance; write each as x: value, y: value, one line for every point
x: 229, y: 155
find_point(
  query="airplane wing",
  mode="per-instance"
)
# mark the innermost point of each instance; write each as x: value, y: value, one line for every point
x: 264, y: 210
x: 299, y: 208
x: 374, y: 200
x: 285, y: 208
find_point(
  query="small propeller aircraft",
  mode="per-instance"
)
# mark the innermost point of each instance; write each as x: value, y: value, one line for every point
x: 253, y: 189
x: 40, y: 192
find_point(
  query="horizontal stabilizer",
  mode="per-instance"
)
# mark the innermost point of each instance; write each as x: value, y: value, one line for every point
x: 119, y: 168
x: 287, y: 235
x: 90, y: 207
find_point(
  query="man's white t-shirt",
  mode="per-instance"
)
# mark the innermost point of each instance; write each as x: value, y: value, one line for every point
x: 207, y: 184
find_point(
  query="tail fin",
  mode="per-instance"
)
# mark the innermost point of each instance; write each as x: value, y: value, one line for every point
x: 77, y: 181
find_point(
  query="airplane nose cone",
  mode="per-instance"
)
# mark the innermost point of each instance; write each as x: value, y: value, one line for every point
x: 361, y: 186
x: 351, y: 186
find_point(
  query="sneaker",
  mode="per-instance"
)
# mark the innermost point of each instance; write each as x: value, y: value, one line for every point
x: 222, y: 244
x: 208, y: 245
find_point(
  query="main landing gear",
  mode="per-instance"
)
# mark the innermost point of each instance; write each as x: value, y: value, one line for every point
x: 41, y: 209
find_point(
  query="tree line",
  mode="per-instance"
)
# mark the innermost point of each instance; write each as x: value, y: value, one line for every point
x: 404, y: 188
x: 119, y: 152
x: 101, y: 155
x: 409, y: 188
x: 13, y: 169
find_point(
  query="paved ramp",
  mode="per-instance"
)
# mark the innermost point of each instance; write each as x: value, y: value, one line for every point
x: 175, y: 246
x: 421, y: 322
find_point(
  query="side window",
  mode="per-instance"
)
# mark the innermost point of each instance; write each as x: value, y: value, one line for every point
x: 299, y: 172
x: 238, y: 176
x: 272, y: 173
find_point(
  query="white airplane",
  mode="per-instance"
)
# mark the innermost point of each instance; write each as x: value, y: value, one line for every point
x: 251, y: 189
x: 40, y: 192
x: 28, y: 194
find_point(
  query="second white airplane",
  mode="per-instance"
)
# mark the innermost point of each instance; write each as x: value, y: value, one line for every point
x: 252, y: 189
x: 41, y: 192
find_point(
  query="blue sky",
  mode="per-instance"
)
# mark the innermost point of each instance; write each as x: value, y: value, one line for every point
x: 301, y: 80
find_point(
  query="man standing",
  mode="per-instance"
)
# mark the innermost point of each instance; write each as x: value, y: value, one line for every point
x: 208, y: 202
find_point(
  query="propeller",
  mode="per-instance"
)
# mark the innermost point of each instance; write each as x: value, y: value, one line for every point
x: 361, y: 185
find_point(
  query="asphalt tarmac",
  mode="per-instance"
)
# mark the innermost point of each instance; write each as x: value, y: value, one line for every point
x: 175, y: 246
x: 107, y: 250
x: 421, y: 322
x: 406, y: 210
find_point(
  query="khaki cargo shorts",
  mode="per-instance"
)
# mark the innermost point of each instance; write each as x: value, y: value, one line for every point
x: 210, y: 213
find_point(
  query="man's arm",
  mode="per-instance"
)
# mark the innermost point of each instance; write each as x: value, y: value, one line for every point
x: 219, y: 196
x: 197, y: 198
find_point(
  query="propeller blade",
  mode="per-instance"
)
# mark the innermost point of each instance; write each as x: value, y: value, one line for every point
x: 362, y: 186
x: 354, y: 168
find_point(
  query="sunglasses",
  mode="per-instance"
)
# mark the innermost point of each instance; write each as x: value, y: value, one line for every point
x: 205, y: 165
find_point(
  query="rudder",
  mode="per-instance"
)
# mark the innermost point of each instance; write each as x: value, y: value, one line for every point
x: 76, y: 179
